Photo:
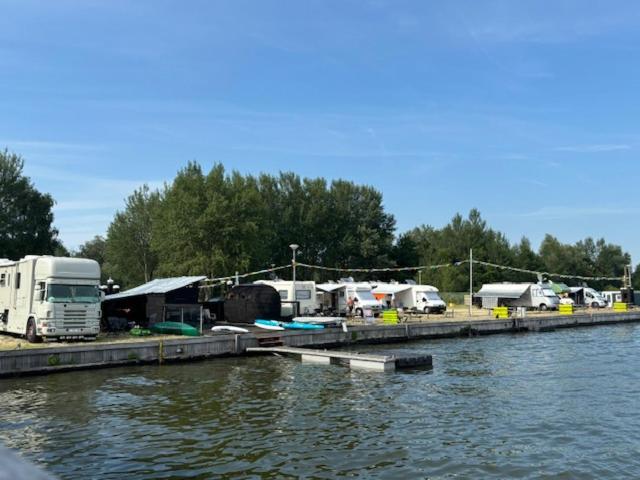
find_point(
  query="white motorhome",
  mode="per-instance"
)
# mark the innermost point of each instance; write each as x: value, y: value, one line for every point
x: 528, y: 295
x: 305, y: 295
x: 588, y: 296
x: 423, y: 298
x: 612, y: 296
x: 50, y: 297
x: 334, y: 297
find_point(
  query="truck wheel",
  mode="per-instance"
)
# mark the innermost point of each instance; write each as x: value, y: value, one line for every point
x: 359, y: 312
x: 426, y: 310
x: 32, y: 336
x: 594, y: 305
x: 543, y: 307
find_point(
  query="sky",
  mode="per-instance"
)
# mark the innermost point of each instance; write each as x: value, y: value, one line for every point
x: 525, y: 110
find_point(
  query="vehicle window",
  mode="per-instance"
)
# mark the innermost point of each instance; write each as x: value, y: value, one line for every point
x: 18, y: 275
x: 548, y: 292
x: 364, y: 294
x: 3, y: 278
x: 57, y: 293
x: 283, y: 294
x: 303, y: 294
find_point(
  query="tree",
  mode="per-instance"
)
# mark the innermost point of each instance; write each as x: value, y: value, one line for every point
x: 26, y: 215
x: 128, y: 252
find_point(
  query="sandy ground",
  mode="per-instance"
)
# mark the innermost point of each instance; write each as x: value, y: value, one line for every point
x: 456, y: 314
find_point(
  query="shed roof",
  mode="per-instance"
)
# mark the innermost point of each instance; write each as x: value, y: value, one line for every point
x: 159, y: 285
x: 503, y: 290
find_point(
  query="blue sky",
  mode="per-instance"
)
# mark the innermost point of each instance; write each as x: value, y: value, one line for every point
x: 526, y: 110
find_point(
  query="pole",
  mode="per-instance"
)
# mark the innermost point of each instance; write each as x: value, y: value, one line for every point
x: 470, y: 280
x: 237, y: 278
x: 293, y: 276
x: 419, y: 277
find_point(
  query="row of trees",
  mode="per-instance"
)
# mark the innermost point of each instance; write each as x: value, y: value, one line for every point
x: 216, y: 223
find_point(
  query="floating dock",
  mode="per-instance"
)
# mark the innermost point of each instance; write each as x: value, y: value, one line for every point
x: 159, y: 350
x: 356, y: 361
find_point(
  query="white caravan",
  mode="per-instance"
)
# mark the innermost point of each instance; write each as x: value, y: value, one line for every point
x: 50, y: 297
x: 333, y: 297
x: 423, y: 298
x: 612, y: 296
x: 528, y: 295
x: 305, y: 295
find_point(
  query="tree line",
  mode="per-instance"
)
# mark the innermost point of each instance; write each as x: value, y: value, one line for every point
x: 217, y: 223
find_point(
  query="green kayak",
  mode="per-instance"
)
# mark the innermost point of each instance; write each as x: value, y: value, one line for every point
x: 139, y: 332
x: 175, y: 328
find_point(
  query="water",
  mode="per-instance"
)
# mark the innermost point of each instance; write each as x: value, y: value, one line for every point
x: 555, y: 405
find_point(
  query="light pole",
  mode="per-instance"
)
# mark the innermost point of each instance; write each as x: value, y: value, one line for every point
x: 470, y: 280
x: 293, y: 248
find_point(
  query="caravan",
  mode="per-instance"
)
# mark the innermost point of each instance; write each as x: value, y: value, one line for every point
x: 528, y: 295
x: 334, y: 298
x: 423, y: 298
x: 50, y: 297
x: 305, y: 295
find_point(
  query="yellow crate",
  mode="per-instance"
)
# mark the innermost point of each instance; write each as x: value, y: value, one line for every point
x: 620, y: 307
x: 501, y: 312
x: 565, y: 309
x: 390, y: 317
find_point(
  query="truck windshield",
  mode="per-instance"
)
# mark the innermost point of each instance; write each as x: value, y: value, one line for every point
x: 429, y: 295
x: 73, y: 294
x: 365, y: 294
x: 547, y: 292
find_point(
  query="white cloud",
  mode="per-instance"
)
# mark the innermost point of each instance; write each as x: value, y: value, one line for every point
x: 594, y: 148
x: 564, y: 212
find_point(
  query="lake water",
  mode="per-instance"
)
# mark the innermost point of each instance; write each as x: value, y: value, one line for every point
x: 562, y: 404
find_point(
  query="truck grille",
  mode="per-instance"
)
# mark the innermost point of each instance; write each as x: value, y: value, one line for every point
x: 74, y: 318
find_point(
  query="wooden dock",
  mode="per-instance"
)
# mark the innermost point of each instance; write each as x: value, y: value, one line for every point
x: 356, y: 361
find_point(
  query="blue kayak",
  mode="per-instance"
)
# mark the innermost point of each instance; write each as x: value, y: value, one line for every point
x: 300, y: 326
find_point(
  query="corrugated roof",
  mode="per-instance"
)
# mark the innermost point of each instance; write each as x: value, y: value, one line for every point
x: 503, y: 290
x: 159, y: 285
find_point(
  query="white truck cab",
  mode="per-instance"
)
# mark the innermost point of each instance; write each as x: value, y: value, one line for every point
x: 50, y: 297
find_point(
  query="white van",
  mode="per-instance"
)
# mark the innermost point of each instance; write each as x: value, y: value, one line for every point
x: 50, y: 297
x: 305, y: 295
x: 334, y: 297
x: 528, y: 295
x: 423, y: 298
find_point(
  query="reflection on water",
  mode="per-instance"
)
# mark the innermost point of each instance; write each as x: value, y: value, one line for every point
x: 561, y: 404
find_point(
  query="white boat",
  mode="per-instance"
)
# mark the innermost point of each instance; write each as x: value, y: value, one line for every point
x: 320, y: 320
x: 229, y: 328
x: 269, y: 327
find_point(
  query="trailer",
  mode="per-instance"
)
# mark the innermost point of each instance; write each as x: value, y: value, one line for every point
x: 50, y: 297
x: 527, y: 295
x: 305, y: 296
x: 423, y: 298
x: 334, y: 298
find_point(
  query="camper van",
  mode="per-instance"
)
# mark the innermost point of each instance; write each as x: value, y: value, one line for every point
x: 50, y: 297
x: 588, y: 297
x: 528, y: 295
x: 423, y: 298
x: 612, y: 296
x: 333, y: 297
x: 305, y: 295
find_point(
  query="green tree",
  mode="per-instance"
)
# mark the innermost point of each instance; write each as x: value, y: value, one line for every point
x: 95, y: 249
x: 26, y: 215
x: 128, y: 253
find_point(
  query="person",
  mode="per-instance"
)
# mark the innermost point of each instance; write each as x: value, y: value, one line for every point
x: 350, y: 305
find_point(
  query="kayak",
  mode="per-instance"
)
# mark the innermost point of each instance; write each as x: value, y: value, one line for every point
x: 301, y: 326
x: 268, y: 324
x: 175, y: 328
x: 229, y: 328
x: 319, y: 320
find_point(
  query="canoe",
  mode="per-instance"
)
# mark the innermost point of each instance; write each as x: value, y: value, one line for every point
x: 229, y: 328
x: 175, y: 328
x: 268, y: 324
x: 300, y: 326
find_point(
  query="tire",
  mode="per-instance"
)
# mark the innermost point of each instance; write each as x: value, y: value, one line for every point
x: 32, y: 336
x: 595, y: 305
x: 427, y: 310
x: 543, y: 307
x: 359, y: 312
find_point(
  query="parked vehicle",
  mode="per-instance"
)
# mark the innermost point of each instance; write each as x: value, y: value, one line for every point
x: 333, y: 297
x: 528, y: 295
x: 423, y: 298
x: 588, y: 297
x: 305, y: 295
x: 612, y: 296
x: 50, y: 297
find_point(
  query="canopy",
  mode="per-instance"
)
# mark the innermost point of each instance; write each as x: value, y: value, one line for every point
x: 159, y: 285
x: 391, y: 288
x: 503, y: 290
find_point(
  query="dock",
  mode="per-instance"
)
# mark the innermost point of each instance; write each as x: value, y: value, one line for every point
x: 356, y: 361
x: 159, y: 350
